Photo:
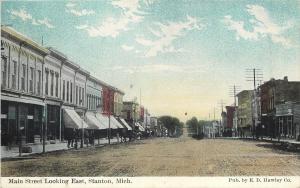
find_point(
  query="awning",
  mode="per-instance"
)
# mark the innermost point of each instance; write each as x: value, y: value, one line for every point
x: 93, y: 122
x: 23, y: 100
x: 126, y: 124
x: 73, y: 120
x: 141, y: 128
x: 116, y: 122
x: 104, y: 119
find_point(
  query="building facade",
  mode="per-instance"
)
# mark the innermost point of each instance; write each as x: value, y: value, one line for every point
x: 44, y: 94
x: 22, y: 94
x: 118, y: 102
x: 273, y: 93
x: 131, y: 112
x: 244, y: 113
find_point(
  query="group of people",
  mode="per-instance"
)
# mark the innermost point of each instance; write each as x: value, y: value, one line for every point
x: 74, y: 137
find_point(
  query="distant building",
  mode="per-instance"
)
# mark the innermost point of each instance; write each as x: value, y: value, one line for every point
x: 118, y: 102
x: 153, y: 123
x: 229, y: 117
x: 224, y: 125
x: 244, y: 113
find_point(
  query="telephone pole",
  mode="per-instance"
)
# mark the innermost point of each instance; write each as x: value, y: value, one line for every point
x: 254, y: 75
x: 233, y: 91
x: 221, y: 104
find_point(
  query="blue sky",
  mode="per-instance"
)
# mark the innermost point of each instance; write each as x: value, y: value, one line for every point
x: 183, y: 55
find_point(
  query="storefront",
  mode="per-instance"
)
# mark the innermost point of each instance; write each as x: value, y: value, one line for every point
x: 54, y: 129
x: 20, y: 121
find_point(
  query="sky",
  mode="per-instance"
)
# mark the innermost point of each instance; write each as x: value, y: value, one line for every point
x: 174, y: 56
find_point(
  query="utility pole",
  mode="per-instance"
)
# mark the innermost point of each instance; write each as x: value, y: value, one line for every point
x: 254, y: 75
x: 233, y: 90
x: 140, y: 96
x: 221, y: 104
x: 109, y: 116
x: 214, y: 113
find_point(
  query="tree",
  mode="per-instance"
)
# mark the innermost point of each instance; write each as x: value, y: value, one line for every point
x: 172, y: 124
x: 195, y: 127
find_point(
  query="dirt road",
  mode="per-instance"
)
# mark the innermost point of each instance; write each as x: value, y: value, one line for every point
x: 163, y: 157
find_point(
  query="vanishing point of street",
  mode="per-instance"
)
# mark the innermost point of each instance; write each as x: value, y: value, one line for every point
x: 181, y: 156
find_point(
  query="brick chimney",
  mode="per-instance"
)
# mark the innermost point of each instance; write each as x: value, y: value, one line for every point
x: 285, y: 78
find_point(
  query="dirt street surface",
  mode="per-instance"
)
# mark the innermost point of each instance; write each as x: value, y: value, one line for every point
x: 163, y: 157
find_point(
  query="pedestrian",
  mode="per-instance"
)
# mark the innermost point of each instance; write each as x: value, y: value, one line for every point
x: 73, y: 137
x: 86, y: 137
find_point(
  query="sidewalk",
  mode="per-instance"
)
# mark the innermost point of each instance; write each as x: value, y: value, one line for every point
x: 38, y: 148
x: 289, y: 141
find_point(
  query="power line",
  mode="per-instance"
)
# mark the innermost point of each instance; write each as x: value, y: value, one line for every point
x: 233, y: 91
x: 221, y: 104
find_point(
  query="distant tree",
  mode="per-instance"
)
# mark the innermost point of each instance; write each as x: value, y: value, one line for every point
x: 172, y: 124
x: 195, y: 127
x: 192, y: 125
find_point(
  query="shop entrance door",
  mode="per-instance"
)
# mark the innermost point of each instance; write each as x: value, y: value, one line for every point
x: 23, y: 124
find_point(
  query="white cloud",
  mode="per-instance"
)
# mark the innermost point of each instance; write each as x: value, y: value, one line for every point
x: 22, y: 14
x: 71, y: 8
x: 45, y: 22
x: 159, y: 68
x: 83, y: 12
x: 262, y: 26
x: 70, y: 4
x: 166, y: 35
x: 112, y: 27
x: 83, y: 26
x: 127, y: 48
x: 27, y: 17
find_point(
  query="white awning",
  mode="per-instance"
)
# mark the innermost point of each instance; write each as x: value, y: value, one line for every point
x: 73, y: 120
x: 104, y: 119
x: 93, y: 122
x: 115, y: 121
x: 126, y: 124
x: 141, y: 128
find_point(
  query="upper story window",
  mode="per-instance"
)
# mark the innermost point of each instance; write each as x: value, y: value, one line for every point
x: 71, y: 92
x: 52, y: 83
x: 80, y: 101
x: 31, y: 79
x: 47, y: 82
x: 4, y: 70
x: 23, y: 77
x: 76, y: 95
x: 68, y: 91
x: 56, y: 84
x: 64, y: 89
x: 39, y: 82
x: 82, y: 97
x: 14, y: 75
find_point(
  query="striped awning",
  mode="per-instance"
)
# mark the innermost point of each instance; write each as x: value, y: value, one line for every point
x: 126, y: 124
x: 73, y: 120
x: 93, y: 122
x: 140, y: 127
x: 105, y: 120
